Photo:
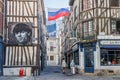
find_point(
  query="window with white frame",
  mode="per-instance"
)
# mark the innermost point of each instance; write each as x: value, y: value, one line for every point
x: 87, y: 29
x: 91, y: 28
x: 113, y: 26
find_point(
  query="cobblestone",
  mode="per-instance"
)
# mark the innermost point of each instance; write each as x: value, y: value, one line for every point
x: 54, y: 73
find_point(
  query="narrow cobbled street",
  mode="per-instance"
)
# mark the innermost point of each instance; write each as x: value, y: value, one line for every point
x: 55, y: 73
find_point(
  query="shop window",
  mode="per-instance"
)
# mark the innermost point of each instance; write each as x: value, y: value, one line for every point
x: 115, y: 3
x: 110, y: 57
x: 51, y: 58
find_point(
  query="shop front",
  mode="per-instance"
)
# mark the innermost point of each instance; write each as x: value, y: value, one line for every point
x: 110, y: 52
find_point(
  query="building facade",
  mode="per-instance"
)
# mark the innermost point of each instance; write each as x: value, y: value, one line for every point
x: 92, y: 35
x: 24, y: 20
x: 53, y: 55
x: 1, y: 35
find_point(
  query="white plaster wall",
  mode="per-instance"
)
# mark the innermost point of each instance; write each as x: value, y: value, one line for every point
x: 15, y: 71
x: 97, y: 57
x: 53, y: 62
x: 54, y: 53
x: 81, y: 59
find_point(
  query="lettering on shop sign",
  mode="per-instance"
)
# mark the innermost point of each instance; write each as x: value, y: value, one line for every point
x: 110, y: 42
x: 108, y: 37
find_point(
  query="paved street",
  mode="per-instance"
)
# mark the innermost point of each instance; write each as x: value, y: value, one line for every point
x: 54, y: 73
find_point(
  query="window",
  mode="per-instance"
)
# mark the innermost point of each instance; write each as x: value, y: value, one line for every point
x: 75, y: 13
x: 115, y: 27
x: 51, y: 58
x: 87, y: 4
x: 90, y: 28
x: 110, y: 57
x: 73, y: 33
x: 51, y: 46
x: 87, y: 29
x: 114, y: 3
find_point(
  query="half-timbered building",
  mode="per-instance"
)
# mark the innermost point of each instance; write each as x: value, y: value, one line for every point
x: 24, y: 28
x: 1, y: 35
x: 93, y: 35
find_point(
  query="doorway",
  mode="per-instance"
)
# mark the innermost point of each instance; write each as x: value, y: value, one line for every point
x: 89, y: 60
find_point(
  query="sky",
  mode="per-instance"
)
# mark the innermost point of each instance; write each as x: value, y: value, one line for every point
x: 55, y: 4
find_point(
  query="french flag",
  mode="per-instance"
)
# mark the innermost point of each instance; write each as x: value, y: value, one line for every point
x: 55, y: 14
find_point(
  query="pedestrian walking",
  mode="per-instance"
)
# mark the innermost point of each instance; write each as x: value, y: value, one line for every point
x: 72, y: 66
x: 64, y: 65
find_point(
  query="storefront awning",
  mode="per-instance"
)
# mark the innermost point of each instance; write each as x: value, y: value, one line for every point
x: 110, y: 46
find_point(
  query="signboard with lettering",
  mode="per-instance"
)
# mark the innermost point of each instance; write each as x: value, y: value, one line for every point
x: 110, y: 42
x: 108, y: 37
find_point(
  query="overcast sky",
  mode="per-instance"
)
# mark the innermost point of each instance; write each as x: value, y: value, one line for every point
x: 56, y: 3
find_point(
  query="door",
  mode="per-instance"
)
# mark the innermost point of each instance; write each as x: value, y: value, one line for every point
x: 89, y: 59
x: 1, y: 56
